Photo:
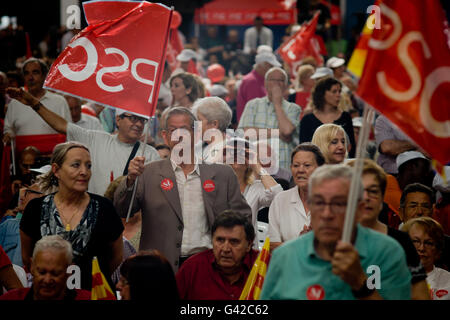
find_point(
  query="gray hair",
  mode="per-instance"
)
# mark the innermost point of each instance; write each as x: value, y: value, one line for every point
x: 54, y: 242
x: 49, y: 180
x: 277, y: 69
x: 42, y: 64
x: 214, y: 108
x: 169, y: 112
x: 333, y: 172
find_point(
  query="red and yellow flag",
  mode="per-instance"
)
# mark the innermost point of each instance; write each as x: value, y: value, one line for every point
x: 255, y: 280
x: 100, y: 287
x: 359, y: 55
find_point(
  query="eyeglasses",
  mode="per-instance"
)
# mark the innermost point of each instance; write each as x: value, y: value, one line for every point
x: 172, y: 130
x: 373, y: 192
x: 337, y: 207
x: 428, y: 244
x: 134, y: 118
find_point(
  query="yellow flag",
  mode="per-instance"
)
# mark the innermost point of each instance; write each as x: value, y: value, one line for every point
x: 100, y: 287
x: 255, y: 280
x: 359, y: 55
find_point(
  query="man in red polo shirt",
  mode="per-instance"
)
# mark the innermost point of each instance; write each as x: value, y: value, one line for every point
x: 220, y: 273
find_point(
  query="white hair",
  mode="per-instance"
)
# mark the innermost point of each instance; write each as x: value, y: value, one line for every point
x: 54, y: 242
x: 214, y: 108
x: 277, y: 69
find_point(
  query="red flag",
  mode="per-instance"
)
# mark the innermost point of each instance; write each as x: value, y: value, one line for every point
x: 44, y: 142
x: 29, y: 54
x: 301, y: 44
x: 118, y: 59
x: 407, y: 72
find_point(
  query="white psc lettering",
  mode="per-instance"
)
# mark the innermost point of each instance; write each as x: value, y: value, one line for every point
x: 432, y: 81
x: 92, y: 62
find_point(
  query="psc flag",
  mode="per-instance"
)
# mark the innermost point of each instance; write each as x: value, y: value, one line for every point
x: 407, y: 72
x: 118, y: 59
x: 100, y: 287
x: 302, y: 43
x: 255, y: 280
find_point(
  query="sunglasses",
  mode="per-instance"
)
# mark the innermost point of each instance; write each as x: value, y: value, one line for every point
x: 134, y: 118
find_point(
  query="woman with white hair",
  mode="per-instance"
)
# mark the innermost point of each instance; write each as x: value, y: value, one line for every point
x: 215, y: 116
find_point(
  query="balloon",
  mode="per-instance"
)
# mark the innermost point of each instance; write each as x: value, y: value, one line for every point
x: 215, y: 73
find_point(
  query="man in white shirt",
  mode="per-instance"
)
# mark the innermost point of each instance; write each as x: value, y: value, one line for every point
x: 110, y: 153
x: 82, y: 119
x: 20, y: 119
x: 256, y: 36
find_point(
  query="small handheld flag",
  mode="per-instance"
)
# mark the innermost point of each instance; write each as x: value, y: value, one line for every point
x: 100, y: 287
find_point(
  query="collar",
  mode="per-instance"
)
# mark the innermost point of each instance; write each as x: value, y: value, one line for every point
x: 196, y: 166
x: 361, y: 244
x: 295, y: 197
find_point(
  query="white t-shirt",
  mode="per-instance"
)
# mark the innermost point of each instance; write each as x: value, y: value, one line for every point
x: 89, y: 122
x: 439, y: 283
x: 287, y: 216
x: 21, y: 120
x: 108, y: 154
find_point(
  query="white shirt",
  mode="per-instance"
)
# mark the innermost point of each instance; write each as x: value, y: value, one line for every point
x: 287, y: 216
x: 89, y: 122
x: 108, y: 154
x: 21, y: 120
x: 439, y: 283
x: 250, y: 37
x: 257, y: 197
x: 196, y: 235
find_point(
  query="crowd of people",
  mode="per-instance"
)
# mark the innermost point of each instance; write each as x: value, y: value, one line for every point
x: 183, y: 214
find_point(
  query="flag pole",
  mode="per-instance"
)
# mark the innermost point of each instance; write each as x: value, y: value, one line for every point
x: 352, y: 201
x: 13, y: 154
x: 133, y: 195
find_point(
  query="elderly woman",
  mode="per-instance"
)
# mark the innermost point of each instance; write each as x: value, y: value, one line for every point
x: 88, y: 221
x: 185, y: 90
x: 374, y: 182
x: 427, y: 236
x: 325, y: 97
x: 257, y: 186
x: 289, y: 216
x: 332, y: 141
x: 215, y: 116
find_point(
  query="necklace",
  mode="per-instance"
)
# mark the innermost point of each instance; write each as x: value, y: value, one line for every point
x: 68, y: 227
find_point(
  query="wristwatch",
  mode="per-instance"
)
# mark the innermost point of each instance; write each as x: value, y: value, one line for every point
x: 363, y: 292
x: 36, y: 106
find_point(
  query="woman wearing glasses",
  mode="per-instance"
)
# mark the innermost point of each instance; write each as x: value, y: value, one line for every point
x: 427, y: 236
x: 88, y: 221
x: 257, y: 186
x: 374, y: 182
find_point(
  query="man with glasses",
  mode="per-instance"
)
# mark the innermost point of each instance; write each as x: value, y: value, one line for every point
x: 110, y: 153
x: 318, y: 265
x: 179, y: 197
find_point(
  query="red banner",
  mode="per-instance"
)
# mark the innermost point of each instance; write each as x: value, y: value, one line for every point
x: 118, y: 59
x: 407, y: 72
x: 301, y: 44
x: 44, y: 142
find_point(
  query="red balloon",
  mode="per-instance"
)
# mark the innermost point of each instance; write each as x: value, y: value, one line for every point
x: 176, y: 20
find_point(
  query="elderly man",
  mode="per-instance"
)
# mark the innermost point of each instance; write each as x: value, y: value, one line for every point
x: 221, y: 272
x: 110, y: 153
x: 215, y: 116
x: 319, y: 266
x: 20, y: 120
x: 252, y: 85
x: 179, y: 197
x: 82, y: 119
x: 274, y: 112
x: 51, y: 257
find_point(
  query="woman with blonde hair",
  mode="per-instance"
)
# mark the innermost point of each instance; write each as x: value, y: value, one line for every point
x: 332, y: 141
x: 88, y: 221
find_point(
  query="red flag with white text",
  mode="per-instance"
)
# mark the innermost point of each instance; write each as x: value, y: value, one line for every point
x: 407, y: 72
x: 118, y: 59
x: 301, y: 44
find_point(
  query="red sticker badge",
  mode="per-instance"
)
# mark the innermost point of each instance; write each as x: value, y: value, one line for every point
x: 315, y: 292
x: 209, y: 185
x: 441, y: 293
x: 166, y: 184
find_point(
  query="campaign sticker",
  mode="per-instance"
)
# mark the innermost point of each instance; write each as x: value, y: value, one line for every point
x: 441, y: 293
x: 315, y: 292
x: 209, y: 185
x: 166, y: 184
